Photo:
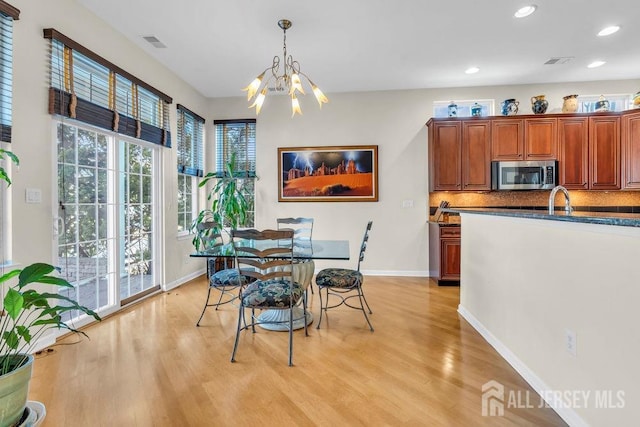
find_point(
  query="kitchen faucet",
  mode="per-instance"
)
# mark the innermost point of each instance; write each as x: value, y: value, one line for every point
x: 567, y: 200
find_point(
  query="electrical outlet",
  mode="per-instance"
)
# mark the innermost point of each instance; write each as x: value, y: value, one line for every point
x: 571, y: 342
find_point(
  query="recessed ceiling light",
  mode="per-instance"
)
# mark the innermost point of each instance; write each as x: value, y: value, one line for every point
x: 525, y: 11
x: 595, y: 64
x: 609, y: 30
x: 472, y: 70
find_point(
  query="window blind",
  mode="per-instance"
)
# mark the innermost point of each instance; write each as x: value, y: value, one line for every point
x: 7, y: 15
x: 190, y: 142
x: 86, y: 87
x: 236, y: 137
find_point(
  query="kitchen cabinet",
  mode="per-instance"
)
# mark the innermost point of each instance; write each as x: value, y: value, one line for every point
x: 573, y: 152
x: 507, y: 139
x: 460, y: 155
x: 604, y: 152
x: 540, y: 139
x: 524, y: 139
x: 444, y: 252
x: 476, y: 155
x: 630, y: 129
x: 445, y: 154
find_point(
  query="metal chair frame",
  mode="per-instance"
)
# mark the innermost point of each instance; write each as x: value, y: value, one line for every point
x: 340, y: 291
x: 274, y: 261
x: 210, y: 239
x: 302, y: 233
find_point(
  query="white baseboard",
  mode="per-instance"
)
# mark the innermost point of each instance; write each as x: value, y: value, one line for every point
x: 44, y: 342
x: 183, y: 280
x: 402, y: 273
x: 567, y: 414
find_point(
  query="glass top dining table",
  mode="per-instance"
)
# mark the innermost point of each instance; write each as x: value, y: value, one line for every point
x: 304, y: 252
x: 317, y: 250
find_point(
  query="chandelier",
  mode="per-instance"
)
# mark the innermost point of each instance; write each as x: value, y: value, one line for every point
x: 290, y: 79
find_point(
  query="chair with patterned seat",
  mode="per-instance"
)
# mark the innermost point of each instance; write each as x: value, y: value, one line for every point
x: 220, y: 272
x: 344, y: 284
x: 302, y: 232
x: 266, y: 259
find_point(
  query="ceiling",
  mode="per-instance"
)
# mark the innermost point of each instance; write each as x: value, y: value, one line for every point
x: 219, y: 47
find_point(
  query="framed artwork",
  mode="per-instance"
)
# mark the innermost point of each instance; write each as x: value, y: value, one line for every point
x: 328, y: 174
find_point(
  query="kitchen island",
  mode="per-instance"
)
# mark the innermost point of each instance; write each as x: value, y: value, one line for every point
x: 557, y: 296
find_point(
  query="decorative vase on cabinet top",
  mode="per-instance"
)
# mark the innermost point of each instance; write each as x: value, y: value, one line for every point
x: 602, y: 104
x: 570, y: 104
x: 476, y: 110
x: 452, y: 110
x: 510, y: 107
x: 539, y: 104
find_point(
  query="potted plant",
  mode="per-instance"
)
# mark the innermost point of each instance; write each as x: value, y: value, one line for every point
x: 229, y: 206
x: 27, y: 314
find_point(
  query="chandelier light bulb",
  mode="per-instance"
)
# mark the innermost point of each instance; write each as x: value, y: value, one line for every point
x: 319, y: 95
x: 295, y: 106
x: 253, y: 87
x: 285, y: 75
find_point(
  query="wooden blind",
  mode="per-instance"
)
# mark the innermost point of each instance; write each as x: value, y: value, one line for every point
x: 236, y: 137
x: 86, y: 87
x: 190, y: 142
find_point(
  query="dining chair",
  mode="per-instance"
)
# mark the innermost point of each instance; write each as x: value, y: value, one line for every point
x: 266, y: 259
x: 302, y: 233
x: 222, y: 277
x: 344, y: 284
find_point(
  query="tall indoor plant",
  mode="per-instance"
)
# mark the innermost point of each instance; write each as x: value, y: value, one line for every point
x: 27, y: 314
x: 229, y: 206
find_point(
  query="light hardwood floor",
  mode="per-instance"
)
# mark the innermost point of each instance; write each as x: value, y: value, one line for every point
x: 151, y: 366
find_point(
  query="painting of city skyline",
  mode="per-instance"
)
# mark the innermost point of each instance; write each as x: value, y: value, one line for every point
x: 328, y: 174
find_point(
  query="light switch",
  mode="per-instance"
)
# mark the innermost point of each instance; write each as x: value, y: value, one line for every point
x: 407, y: 203
x: 33, y: 195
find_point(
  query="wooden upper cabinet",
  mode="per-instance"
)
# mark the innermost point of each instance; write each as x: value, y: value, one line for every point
x: 604, y: 152
x: 476, y: 155
x: 630, y: 129
x: 507, y: 139
x: 445, y: 152
x: 573, y: 152
x: 540, y: 139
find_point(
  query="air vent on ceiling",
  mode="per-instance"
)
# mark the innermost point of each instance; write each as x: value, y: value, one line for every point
x: 558, y: 60
x: 154, y: 41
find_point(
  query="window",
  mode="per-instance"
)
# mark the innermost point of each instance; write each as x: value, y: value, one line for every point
x: 619, y: 102
x: 8, y: 14
x: 88, y: 88
x: 441, y: 108
x: 236, y: 139
x: 190, y: 164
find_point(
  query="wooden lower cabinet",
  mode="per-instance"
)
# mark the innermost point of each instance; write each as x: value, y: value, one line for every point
x: 444, y: 252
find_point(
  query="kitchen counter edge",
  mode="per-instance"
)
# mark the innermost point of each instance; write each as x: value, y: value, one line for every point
x: 603, y: 218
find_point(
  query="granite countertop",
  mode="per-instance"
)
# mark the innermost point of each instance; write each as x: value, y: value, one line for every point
x: 450, y: 221
x: 604, y: 218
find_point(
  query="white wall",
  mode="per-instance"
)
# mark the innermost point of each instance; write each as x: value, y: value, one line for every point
x: 525, y: 281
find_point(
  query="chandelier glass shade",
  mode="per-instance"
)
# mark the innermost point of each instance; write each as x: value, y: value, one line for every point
x: 290, y: 80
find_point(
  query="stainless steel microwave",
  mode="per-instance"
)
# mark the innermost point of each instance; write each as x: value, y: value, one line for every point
x: 524, y: 175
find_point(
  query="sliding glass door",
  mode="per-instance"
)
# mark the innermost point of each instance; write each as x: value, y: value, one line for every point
x: 106, y: 216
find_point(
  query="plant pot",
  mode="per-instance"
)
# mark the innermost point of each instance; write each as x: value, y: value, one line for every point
x: 14, y: 388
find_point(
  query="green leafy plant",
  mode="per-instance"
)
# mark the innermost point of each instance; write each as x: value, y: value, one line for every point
x: 229, y: 206
x: 27, y: 313
x: 3, y: 172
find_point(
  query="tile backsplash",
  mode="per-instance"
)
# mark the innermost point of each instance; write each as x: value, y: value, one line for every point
x: 608, y: 201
